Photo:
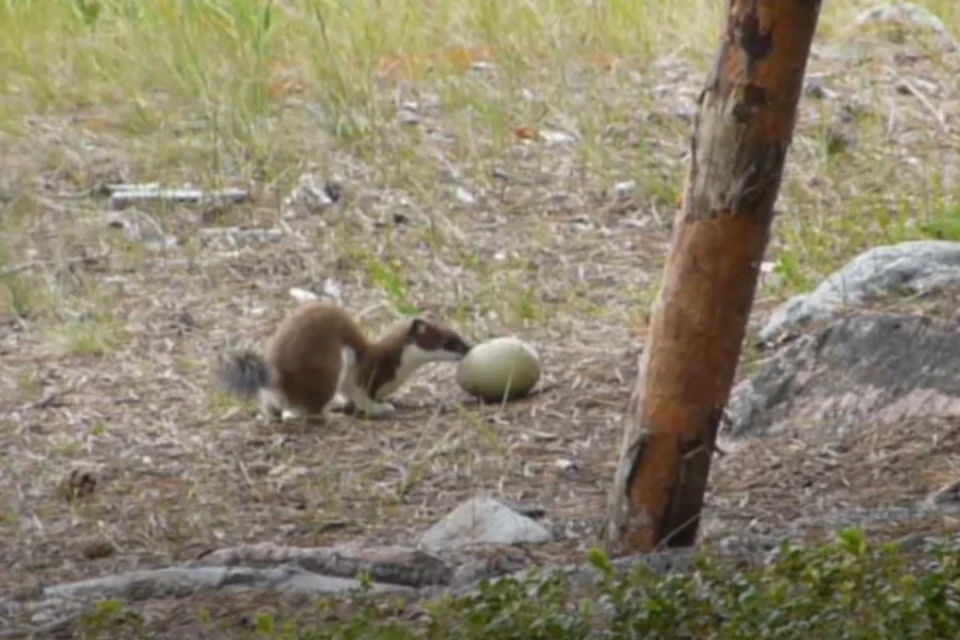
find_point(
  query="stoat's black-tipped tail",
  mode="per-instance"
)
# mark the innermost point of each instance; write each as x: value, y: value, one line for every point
x: 244, y: 373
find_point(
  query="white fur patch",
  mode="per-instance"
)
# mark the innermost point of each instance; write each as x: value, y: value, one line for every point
x: 348, y: 388
x: 271, y: 400
x: 348, y: 360
x: 412, y: 358
x: 348, y: 363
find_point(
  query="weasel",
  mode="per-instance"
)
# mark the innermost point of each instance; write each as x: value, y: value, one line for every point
x: 319, y: 356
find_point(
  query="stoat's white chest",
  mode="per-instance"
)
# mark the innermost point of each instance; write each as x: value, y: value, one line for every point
x: 411, y: 359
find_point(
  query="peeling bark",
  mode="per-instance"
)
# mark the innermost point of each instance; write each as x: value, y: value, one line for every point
x: 741, y: 134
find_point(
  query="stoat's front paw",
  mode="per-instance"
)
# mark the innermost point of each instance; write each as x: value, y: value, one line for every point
x: 378, y: 409
x: 340, y: 404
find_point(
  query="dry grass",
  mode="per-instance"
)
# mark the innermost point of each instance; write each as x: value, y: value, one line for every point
x: 876, y: 479
x: 108, y: 342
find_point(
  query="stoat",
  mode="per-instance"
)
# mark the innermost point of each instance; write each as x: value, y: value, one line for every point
x: 319, y: 356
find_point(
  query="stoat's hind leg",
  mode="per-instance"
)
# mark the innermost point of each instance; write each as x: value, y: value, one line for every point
x: 311, y: 388
x: 339, y: 400
x: 356, y: 396
x: 339, y: 404
x: 272, y: 405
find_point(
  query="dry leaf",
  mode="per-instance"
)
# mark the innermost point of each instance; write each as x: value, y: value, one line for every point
x: 463, y: 58
x: 602, y: 61
x: 525, y: 132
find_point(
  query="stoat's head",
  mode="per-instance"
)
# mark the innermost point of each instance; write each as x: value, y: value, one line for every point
x: 435, y: 342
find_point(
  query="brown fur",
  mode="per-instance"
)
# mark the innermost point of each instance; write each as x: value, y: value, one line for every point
x: 303, y: 358
x: 305, y: 353
x: 383, y: 356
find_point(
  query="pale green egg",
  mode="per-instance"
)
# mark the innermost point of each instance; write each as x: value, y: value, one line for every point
x: 498, y: 369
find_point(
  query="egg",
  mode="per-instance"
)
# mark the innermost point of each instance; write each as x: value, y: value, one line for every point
x: 498, y: 369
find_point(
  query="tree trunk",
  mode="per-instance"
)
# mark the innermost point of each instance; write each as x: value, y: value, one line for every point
x: 741, y: 134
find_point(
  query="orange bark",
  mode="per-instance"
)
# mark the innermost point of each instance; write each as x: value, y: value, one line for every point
x: 743, y: 129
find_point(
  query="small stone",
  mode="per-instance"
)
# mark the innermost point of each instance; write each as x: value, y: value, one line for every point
x: 332, y: 288
x: 684, y: 111
x: 116, y: 221
x: 625, y: 188
x: 556, y: 137
x: 465, y: 196
x: 125, y: 195
x: 160, y: 244
x: 231, y: 238
x: 302, y: 295
x: 312, y: 195
x: 408, y: 117
x: 482, y: 520
x: 482, y: 65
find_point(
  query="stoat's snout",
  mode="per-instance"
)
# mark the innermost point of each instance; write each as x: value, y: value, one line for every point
x: 457, y: 345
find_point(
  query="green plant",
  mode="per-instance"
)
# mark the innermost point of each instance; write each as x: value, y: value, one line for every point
x: 386, y: 277
x: 848, y: 588
x: 944, y: 224
x: 108, y: 618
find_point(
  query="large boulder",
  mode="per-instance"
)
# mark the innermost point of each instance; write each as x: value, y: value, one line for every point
x: 908, y: 267
x: 862, y: 369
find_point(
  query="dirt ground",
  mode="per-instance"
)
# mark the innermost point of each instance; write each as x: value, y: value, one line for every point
x: 115, y: 378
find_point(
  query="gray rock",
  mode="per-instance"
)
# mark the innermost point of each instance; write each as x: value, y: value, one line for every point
x: 311, y: 195
x: 909, y: 267
x: 409, y: 113
x: 624, y: 189
x: 125, y: 195
x: 395, y: 565
x: 482, y: 521
x: 183, y: 582
x: 137, y: 226
x: 906, y: 14
x: 57, y: 605
x: 232, y: 238
x: 864, y: 369
x: 948, y: 494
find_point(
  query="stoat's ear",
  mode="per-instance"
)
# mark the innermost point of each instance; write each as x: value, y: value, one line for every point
x: 417, y: 328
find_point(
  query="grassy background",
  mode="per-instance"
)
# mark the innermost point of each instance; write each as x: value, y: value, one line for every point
x: 238, y: 91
